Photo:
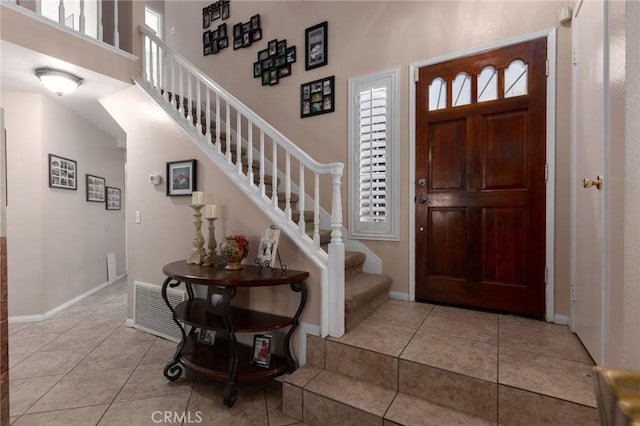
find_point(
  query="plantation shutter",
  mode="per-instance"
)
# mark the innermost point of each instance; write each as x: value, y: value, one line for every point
x: 373, y: 155
x: 374, y: 169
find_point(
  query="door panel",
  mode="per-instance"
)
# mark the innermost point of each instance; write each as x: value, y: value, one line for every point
x: 480, y: 221
x: 589, y: 204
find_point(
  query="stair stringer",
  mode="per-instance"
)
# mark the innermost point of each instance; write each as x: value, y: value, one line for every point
x: 331, y: 308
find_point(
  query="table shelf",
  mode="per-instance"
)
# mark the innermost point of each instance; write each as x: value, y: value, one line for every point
x: 199, y: 313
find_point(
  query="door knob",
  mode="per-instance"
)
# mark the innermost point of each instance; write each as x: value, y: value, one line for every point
x: 597, y: 182
x: 422, y: 199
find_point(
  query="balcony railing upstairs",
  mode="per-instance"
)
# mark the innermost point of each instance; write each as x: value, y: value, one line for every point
x: 269, y: 168
x: 86, y: 17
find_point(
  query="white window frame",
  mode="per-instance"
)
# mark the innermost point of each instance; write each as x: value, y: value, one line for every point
x: 388, y: 230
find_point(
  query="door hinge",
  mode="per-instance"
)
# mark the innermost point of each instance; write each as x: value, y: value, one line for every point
x: 547, y: 68
x: 573, y: 292
x: 546, y: 172
x: 546, y: 275
x: 574, y: 56
x: 416, y: 75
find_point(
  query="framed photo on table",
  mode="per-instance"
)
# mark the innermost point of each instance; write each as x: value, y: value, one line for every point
x: 262, y: 350
x: 268, y: 248
x: 181, y: 177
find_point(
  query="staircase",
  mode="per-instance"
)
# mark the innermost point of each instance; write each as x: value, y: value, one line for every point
x: 260, y: 160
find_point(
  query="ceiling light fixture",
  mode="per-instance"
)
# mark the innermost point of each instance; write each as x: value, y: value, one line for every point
x: 59, y: 82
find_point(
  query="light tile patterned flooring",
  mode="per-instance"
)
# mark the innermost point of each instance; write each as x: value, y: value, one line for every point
x: 85, y: 367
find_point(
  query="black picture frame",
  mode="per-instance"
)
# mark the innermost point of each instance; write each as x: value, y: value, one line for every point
x: 237, y: 43
x: 63, y: 173
x: 256, y: 35
x: 316, y: 46
x: 255, y: 21
x: 237, y: 30
x: 215, y: 12
x: 257, y: 69
x: 273, y: 76
x: 272, y: 47
x: 206, y: 17
x: 265, y: 77
x: 263, y: 54
x: 223, y: 43
x: 291, y: 54
x: 261, y: 350
x: 281, y: 48
x: 222, y: 30
x: 284, y: 71
x: 113, y: 201
x: 317, y: 97
x: 225, y: 11
x: 182, y: 177
x: 95, y: 188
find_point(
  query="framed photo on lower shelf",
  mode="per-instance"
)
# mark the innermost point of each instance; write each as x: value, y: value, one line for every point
x: 262, y: 350
x: 208, y: 337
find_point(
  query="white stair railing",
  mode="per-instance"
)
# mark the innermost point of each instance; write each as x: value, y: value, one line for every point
x: 64, y: 11
x: 239, y: 141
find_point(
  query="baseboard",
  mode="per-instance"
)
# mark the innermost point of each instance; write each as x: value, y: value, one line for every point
x: 52, y: 312
x: 561, y: 319
x: 396, y: 295
x: 119, y: 277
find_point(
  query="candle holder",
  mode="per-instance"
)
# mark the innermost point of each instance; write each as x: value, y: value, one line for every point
x: 213, y: 258
x: 198, y: 252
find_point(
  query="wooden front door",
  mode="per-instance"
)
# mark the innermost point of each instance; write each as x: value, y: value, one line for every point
x: 480, y: 180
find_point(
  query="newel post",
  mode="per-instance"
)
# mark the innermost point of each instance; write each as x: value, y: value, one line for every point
x: 336, y: 258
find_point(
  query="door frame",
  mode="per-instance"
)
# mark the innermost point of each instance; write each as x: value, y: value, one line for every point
x: 550, y: 34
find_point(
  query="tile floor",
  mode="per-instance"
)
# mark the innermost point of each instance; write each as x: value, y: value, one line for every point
x: 493, y: 366
x: 85, y: 367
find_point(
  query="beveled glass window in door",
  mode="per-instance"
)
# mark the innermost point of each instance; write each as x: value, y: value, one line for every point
x: 461, y: 90
x: 437, y: 94
x: 515, y: 79
x: 487, y: 84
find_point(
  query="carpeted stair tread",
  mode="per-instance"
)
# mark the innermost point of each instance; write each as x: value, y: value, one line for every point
x: 364, y: 287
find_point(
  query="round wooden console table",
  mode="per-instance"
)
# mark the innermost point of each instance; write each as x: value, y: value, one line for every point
x: 227, y: 359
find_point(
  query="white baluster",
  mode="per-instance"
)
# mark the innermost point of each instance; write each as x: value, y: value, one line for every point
x: 189, y: 99
x: 181, y: 90
x: 228, y: 123
x: 219, y: 147
x: 287, y: 186
x: 274, y: 175
x: 165, y: 74
x: 157, y: 63
x: 82, y: 20
x: 145, y: 65
x: 148, y: 62
x: 116, y: 34
x: 262, y: 189
x: 173, y: 82
x: 99, y: 23
x: 198, y: 108
x: 250, y: 152
x: 301, y: 192
x: 61, y: 12
x: 208, y: 112
x: 239, y: 141
x: 316, y: 212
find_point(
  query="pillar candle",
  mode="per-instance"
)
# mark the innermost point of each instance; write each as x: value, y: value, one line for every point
x: 197, y: 198
x: 211, y: 211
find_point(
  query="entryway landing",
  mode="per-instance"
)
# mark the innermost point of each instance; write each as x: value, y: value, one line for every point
x: 414, y: 363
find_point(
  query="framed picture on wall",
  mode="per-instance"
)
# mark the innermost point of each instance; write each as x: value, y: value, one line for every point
x: 63, y: 173
x: 113, y: 198
x: 181, y: 177
x: 95, y: 188
x: 316, y: 41
x: 317, y: 97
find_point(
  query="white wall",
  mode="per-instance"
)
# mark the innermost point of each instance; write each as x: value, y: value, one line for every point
x: 58, y: 240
